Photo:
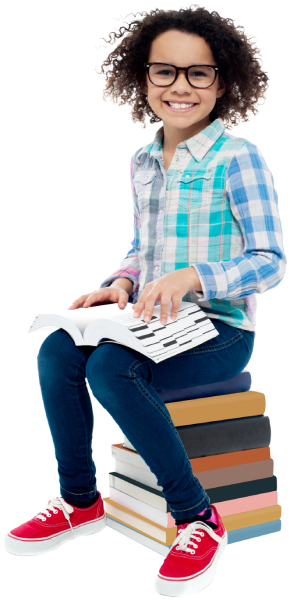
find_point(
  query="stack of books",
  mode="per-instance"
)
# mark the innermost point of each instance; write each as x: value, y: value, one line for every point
x: 227, y: 438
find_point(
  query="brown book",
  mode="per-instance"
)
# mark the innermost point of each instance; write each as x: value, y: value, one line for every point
x: 252, y: 517
x: 236, y: 474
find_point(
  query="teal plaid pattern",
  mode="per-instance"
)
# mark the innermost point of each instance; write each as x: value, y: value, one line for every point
x: 216, y: 209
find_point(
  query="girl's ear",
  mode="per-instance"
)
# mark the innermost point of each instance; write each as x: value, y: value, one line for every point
x: 144, y: 89
x: 143, y: 86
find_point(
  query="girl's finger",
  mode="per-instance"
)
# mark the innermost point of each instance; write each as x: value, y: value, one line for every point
x: 164, y: 310
x: 138, y: 309
x: 176, y: 302
x: 73, y: 305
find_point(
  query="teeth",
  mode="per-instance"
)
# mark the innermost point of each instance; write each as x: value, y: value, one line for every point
x: 177, y: 105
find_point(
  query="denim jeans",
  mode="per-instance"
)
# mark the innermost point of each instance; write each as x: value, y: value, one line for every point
x: 126, y: 383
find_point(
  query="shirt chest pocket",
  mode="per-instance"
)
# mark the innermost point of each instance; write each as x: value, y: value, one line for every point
x: 194, y: 190
x: 143, y: 182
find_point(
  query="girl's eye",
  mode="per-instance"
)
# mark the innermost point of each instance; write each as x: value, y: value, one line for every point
x: 198, y: 74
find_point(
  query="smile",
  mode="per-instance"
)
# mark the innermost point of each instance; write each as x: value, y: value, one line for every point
x: 180, y: 106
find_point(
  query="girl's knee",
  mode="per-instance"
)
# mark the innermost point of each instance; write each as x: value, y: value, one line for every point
x: 54, y: 348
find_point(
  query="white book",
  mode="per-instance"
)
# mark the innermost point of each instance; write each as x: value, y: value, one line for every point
x: 133, y: 458
x: 138, y: 537
x: 142, y: 475
x: 138, y: 490
x: 143, y: 509
x: 87, y: 326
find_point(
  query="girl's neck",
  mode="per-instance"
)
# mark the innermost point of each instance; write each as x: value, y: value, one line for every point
x: 173, y: 136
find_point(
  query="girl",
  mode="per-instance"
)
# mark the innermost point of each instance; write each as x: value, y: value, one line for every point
x: 206, y: 229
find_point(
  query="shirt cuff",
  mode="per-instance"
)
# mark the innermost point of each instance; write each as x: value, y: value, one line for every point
x: 213, y: 281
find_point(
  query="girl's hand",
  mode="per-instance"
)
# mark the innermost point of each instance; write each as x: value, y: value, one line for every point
x: 172, y: 286
x: 102, y: 296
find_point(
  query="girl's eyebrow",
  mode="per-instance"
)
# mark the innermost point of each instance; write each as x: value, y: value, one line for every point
x: 168, y: 62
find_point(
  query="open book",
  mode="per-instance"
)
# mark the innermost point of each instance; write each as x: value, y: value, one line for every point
x: 87, y: 327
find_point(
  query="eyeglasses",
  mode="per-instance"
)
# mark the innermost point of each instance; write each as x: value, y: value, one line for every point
x: 198, y: 76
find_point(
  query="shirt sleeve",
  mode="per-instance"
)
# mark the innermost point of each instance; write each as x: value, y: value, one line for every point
x: 254, y: 204
x: 130, y: 266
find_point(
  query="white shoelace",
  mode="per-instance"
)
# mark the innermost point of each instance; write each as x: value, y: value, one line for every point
x: 54, y: 504
x: 190, y: 535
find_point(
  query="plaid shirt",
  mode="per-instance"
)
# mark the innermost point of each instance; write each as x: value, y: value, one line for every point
x: 215, y: 209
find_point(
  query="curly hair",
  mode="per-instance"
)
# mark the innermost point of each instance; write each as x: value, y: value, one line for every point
x: 235, y: 55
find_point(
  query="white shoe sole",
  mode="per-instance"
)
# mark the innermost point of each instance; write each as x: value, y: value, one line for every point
x: 27, y: 548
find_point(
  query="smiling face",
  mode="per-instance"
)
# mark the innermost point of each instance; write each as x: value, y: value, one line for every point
x: 182, y: 50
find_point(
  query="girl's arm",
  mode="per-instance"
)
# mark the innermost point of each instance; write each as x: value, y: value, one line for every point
x: 124, y: 283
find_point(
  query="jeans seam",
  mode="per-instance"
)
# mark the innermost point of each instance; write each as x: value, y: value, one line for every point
x: 136, y: 362
x: 79, y: 367
x: 200, y: 349
x: 222, y: 346
x: 83, y: 494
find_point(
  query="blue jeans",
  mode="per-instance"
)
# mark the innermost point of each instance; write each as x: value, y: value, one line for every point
x: 126, y: 383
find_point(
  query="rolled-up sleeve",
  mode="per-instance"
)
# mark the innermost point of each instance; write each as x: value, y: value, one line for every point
x: 130, y: 266
x: 254, y: 204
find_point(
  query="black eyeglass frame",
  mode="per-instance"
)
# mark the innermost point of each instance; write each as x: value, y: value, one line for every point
x: 186, y: 69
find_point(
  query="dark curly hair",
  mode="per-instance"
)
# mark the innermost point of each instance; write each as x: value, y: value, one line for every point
x: 236, y: 58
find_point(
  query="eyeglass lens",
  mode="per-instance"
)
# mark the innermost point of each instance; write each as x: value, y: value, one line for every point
x: 199, y: 76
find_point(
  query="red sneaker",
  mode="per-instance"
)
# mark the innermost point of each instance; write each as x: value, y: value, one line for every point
x: 54, y: 526
x: 191, y: 564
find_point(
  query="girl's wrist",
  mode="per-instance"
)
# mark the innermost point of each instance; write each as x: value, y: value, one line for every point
x: 124, y: 283
x: 195, y: 284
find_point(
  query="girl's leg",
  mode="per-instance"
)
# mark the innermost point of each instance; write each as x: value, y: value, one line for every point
x: 62, y: 372
x: 126, y: 383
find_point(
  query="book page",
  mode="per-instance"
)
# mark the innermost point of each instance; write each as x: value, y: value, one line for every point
x: 191, y: 327
x: 82, y: 317
x: 155, y: 340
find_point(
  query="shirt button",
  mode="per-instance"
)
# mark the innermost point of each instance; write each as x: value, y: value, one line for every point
x: 187, y: 176
x: 159, y: 240
x: 209, y: 171
x: 146, y: 178
x: 180, y: 170
x: 156, y: 268
x: 161, y: 211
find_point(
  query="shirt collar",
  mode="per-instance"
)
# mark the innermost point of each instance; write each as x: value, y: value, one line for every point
x: 198, y: 144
